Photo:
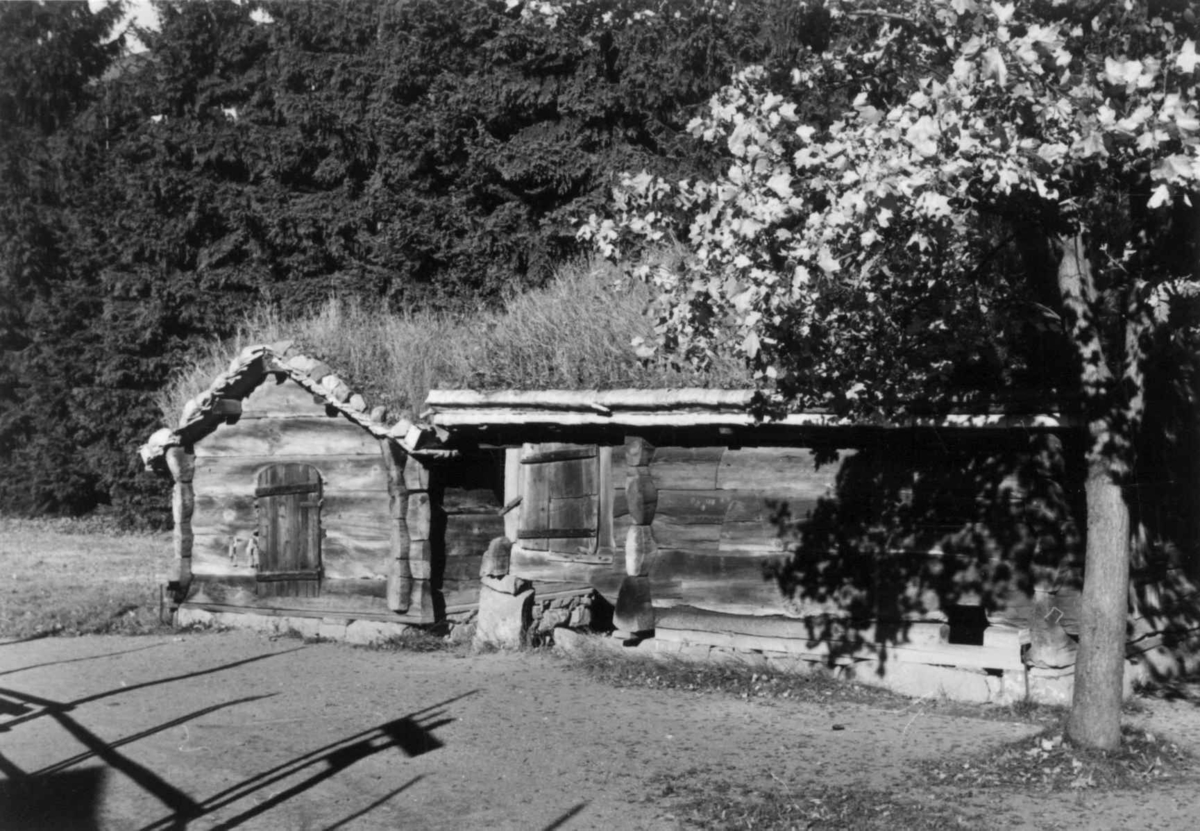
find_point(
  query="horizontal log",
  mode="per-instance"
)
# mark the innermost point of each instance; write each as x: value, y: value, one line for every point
x: 221, y: 588
x: 973, y: 657
x: 272, y: 400
x: 689, y: 537
x: 750, y: 539
x: 534, y: 565
x: 340, y: 559
x: 469, y: 534
x: 921, y: 633
x: 221, y: 475
x: 293, y: 437
x: 543, y: 454
x: 460, y: 597
x: 471, y: 501
x: 686, y: 468
x: 784, y: 472
x: 691, y: 507
x: 586, y: 400
x: 337, y: 598
x: 239, y: 507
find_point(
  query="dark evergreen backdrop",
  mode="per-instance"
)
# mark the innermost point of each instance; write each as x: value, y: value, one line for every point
x: 417, y: 153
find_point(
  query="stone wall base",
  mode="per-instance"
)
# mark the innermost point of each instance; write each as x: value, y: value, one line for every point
x: 361, y: 632
x: 1043, y: 686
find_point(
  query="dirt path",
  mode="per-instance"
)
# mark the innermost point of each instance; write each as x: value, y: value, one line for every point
x: 235, y: 730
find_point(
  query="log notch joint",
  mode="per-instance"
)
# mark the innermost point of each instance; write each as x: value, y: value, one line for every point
x: 409, y: 584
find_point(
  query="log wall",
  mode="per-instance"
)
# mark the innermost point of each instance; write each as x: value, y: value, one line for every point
x: 283, y: 423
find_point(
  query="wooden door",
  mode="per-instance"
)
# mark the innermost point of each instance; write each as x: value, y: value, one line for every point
x: 289, y: 530
x: 560, y: 499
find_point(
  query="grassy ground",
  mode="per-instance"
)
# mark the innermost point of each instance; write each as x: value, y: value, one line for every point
x: 79, y: 577
x: 75, y: 577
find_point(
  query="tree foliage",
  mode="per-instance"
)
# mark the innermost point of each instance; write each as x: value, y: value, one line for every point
x: 1005, y: 203
x: 411, y: 154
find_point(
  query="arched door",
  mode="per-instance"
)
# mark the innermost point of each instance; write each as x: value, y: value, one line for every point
x: 289, y: 530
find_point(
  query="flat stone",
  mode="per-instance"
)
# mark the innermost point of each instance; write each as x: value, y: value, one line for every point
x: 509, y: 584
x: 503, y: 618
x: 634, y: 612
x: 553, y: 619
x: 332, y: 630
x: 570, y: 642
x: 367, y: 632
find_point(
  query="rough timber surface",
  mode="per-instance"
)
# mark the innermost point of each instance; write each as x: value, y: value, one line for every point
x: 303, y: 436
x: 216, y: 475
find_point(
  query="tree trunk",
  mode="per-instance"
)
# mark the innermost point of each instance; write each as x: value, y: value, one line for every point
x: 1100, y: 663
x: 1095, y: 719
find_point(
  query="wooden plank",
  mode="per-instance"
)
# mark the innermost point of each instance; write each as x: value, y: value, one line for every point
x: 692, y: 507
x: 289, y: 399
x: 337, y: 596
x: 512, y: 490
x: 284, y: 490
x: 469, y: 534
x: 974, y: 657
x: 782, y: 471
x: 686, y: 468
x: 550, y: 452
x: 534, y: 565
x: 303, y: 437
x: 750, y: 539
x: 470, y: 500
x: 688, y: 537
x: 235, y: 513
x: 227, y: 475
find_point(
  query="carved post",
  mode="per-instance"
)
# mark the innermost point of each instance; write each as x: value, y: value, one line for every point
x: 635, y: 611
x: 418, y: 520
x: 182, y: 465
x: 399, y: 583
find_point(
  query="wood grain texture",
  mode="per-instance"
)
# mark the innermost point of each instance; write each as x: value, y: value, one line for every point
x: 691, y: 507
x: 280, y: 400
x: 784, y: 471
x: 339, y: 597
x: 512, y: 490
x: 686, y: 468
x: 294, y: 437
x: 469, y: 534
x: 222, y: 475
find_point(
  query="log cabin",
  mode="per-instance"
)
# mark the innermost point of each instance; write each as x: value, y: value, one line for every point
x: 938, y: 556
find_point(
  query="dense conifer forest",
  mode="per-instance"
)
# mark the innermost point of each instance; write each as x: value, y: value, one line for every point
x: 417, y: 155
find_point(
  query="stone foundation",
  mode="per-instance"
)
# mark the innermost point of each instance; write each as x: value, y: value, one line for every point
x: 361, y: 632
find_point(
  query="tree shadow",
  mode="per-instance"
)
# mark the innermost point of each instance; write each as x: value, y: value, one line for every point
x: 929, y: 539
x: 54, y: 797
x: 410, y: 734
x: 50, y: 707
x: 83, y: 658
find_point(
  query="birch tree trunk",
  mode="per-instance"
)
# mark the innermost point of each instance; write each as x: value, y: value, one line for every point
x: 1095, y: 719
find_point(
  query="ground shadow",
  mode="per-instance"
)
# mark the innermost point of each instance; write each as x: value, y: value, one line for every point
x: 50, y: 707
x: 83, y: 658
x: 52, y: 797
x: 411, y: 734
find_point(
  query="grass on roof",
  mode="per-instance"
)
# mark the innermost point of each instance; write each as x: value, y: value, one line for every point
x: 575, y: 333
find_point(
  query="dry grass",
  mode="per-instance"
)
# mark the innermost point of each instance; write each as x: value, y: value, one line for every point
x: 75, y: 577
x: 574, y: 334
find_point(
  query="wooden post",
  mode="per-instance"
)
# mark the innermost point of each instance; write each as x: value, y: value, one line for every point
x: 182, y: 465
x: 635, y: 611
x: 400, y: 581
